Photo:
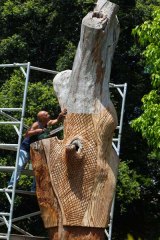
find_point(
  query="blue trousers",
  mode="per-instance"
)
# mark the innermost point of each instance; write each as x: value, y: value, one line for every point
x: 24, y: 157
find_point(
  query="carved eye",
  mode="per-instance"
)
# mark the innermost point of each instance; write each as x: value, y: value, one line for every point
x: 97, y: 14
x: 74, y: 149
x: 77, y: 144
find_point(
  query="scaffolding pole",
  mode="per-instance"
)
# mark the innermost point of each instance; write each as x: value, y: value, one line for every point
x: 116, y: 145
x: 8, y: 222
x: 16, y: 147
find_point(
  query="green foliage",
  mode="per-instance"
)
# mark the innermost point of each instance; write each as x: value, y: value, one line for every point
x: 149, y: 122
x: 40, y: 96
x: 11, y: 45
x: 130, y: 237
x: 128, y: 187
x: 3, y: 162
x: 149, y: 33
x: 145, y: 7
x: 39, y: 30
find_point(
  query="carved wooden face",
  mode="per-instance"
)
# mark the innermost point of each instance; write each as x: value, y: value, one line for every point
x: 80, y: 166
x: 73, y: 165
x: 76, y: 176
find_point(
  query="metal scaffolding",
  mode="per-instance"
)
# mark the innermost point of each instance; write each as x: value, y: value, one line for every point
x: 116, y: 143
x: 6, y: 218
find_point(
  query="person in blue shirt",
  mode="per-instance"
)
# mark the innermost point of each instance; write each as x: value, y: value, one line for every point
x: 35, y: 133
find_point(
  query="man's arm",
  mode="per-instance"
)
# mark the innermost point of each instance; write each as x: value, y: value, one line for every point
x: 60, y: 118
x: 34, y: 130
x: 52, y: 122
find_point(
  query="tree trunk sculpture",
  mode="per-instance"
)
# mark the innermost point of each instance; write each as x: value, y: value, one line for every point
x: 76, y: 176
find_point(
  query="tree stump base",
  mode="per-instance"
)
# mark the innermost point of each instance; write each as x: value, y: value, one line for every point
x: 76, y: 233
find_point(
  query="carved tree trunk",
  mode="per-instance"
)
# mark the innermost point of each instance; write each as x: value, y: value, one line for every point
x: 76, y: 176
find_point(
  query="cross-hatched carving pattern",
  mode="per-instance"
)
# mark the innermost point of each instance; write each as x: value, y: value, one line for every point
x: 106, y: 126
x: 73, y: 174
x: 45, y: 195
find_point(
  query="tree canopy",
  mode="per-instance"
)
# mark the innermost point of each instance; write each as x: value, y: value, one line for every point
x: 149, y: 121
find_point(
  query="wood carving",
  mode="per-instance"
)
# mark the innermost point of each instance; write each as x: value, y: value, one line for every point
x: 76, y: 176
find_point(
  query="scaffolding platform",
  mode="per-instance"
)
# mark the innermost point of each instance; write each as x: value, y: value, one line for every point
x: 4, y: 190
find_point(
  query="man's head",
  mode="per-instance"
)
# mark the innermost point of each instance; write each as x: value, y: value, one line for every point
x: 43, y: 116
